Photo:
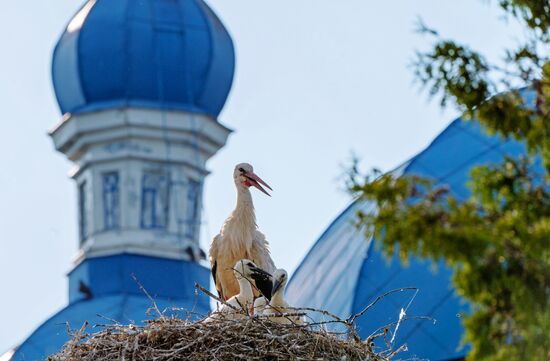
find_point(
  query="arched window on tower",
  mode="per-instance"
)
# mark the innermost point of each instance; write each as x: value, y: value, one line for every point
x: 193, y: 207
x: 82, y: 212
x: 111, y: 201
x: 155, y: 195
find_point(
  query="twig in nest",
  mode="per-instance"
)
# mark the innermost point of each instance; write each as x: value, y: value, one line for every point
x: 155, y: 307
x: 108, y: 319
x: 370, y: 305
x: 346, y: 323
x: 208, y: 293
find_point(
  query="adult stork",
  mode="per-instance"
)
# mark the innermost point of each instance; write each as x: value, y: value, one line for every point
x: 240, y: 238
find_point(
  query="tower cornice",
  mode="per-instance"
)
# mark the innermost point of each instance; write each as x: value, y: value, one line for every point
x: 77, y: 132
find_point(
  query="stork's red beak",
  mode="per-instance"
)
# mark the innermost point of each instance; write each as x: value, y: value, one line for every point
x: 255, y: 181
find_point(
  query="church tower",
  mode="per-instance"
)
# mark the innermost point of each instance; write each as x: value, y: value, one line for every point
x: 140, y: 85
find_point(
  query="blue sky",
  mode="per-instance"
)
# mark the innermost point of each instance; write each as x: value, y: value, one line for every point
x: 315, y: 80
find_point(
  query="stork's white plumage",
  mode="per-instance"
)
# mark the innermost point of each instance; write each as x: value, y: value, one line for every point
x: 240, y: 238
x: 241, y: 304
x: 260, y: 304
x: 278, y: 304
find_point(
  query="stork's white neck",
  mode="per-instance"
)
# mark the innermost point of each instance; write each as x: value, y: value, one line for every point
x: 277, y: 299
x: 244, y: 210
x: 246, y: 295
x: 241, y: 224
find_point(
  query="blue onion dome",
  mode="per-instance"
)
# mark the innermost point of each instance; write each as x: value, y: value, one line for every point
x: 161, y: 54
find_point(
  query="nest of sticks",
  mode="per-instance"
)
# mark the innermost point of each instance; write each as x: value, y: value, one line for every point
x: 225, y: 338
x: 247, y: 338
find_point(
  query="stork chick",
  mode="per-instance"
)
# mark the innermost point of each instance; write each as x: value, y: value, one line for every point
x: 240, y: 238
x: 239, y: 305
x: 260, y: 304
x: 278, y: 304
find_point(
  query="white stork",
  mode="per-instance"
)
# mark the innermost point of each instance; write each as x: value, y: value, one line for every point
x: 260, y: 304
x: 278, y: 304
x: 240, y: 305
x: 240, y: 238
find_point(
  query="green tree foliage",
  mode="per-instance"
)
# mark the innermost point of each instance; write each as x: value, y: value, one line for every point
x: 462, y: 75
x: 498, y: 240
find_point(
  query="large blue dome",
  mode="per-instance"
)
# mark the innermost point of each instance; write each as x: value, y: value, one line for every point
x: 162, y: 54
x: 345, y: 270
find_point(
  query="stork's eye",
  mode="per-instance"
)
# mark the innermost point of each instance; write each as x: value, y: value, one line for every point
x: 242, y: 170
x: 249, y: 264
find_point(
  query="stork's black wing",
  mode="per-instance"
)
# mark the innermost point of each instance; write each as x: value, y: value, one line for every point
x: 264, y: 284
x: 214, y: 269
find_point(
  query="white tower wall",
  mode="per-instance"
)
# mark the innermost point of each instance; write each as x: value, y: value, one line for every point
x: 139, y: 175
